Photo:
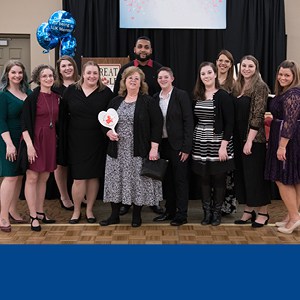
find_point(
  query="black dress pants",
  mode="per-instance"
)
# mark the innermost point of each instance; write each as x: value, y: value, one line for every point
x: 175, y: 184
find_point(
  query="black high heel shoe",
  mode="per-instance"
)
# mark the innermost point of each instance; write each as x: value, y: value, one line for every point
x: 35, y: 228
x: 75, y: 221
x: 257, y: 225
x: 252, y: 218
x: 44, y: 219
x: 65, y: 207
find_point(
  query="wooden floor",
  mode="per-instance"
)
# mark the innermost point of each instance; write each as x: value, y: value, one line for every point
x: 149, y: 232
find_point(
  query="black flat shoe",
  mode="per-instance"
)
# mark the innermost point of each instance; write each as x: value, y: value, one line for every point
x: 35, y: 228
x: 178, y: 222
x: 65, y: 207
x: 257, y: 225
x: 75, y: 221
x: 109, y: 221
x: 252, y: 218
x: 91, y: 220
x: 44, y: 219
x: 163, y: 217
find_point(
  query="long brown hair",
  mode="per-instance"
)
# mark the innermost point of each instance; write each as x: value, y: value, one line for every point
x: 287, y: 64
x: 228, y: 84
x: 59, y: 79
x: 199, y: 88
x: 254, y: 81
x: 4, y: 81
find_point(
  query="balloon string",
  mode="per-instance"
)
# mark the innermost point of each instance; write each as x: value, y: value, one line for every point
x: 49, y: 57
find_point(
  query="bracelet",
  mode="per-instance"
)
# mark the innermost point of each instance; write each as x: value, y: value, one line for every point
x: 281, y: 147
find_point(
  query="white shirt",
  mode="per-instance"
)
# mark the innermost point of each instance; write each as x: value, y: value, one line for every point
x: 164, y: 103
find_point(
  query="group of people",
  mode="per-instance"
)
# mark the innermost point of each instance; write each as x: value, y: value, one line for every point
x: 218, y: 134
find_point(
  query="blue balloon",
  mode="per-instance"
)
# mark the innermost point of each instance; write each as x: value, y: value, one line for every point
x: 45, y: 38
x: 68, y: 46
x: 61, y: 23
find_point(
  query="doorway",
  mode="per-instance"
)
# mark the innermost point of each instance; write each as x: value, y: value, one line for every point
x: 15, y: 46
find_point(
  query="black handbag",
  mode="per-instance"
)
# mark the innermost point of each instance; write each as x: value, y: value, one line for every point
x: 155, y: 169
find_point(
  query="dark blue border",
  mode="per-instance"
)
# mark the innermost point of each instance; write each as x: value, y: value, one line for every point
x: 149, y: 271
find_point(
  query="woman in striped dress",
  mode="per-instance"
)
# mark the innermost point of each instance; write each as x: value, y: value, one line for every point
x: 212, y: 155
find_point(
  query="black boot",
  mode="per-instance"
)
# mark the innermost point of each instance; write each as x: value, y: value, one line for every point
x: 114, y: 217
x: 136, y: 216
x: 219, y: 195
x: 206, y: 200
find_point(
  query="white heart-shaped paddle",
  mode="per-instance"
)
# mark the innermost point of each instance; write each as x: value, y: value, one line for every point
x: 109, y: 118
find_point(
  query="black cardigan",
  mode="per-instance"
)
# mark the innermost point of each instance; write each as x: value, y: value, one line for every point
x: 223, y: 113
x: 147, y: 125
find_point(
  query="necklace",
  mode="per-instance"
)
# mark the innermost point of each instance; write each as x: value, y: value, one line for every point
x: 50, y: 114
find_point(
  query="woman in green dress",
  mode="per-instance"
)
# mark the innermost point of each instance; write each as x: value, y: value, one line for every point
x: 14, y: 89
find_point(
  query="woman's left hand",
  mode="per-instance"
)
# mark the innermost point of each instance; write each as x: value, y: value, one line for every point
x: 247, y: 148
x: 153, y: 154
x: 281, y: 153
x: 11, y: 153
x: 183, y: 156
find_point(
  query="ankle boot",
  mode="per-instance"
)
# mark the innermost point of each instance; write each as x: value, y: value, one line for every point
x: 136, y: 216
x: 206, y: 204
x: 219, y: 194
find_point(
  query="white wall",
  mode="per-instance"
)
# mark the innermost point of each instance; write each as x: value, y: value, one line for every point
x: 292, y: 22
x: 24, y: 17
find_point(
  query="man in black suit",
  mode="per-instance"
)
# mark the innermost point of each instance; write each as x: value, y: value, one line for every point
x: 143, y: 53
x: 176, y: 146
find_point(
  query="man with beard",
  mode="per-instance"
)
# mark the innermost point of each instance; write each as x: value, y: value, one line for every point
x: 142, y: 52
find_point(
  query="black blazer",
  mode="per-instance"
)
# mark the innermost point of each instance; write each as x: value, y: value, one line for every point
x: 147, y: 125
x: 179, y: 120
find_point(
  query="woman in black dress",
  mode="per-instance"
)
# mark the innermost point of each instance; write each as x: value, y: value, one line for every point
x: 251, y: 94
x: 86, y: 143
x: 225, y: 66
x: 66, y: 74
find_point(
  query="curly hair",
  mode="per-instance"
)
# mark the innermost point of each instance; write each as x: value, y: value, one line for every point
x: 4, y: 81
x: 128, y: 72
x: 36, y: 73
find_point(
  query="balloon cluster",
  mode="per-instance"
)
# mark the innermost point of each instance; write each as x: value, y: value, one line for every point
x: 60, y: 26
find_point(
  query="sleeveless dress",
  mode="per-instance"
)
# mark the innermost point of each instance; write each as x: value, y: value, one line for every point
x: 45, y: 133
x: 285, y: 109
x: 206, y: 144
x: 123, y: 182
x: 10, y: 120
